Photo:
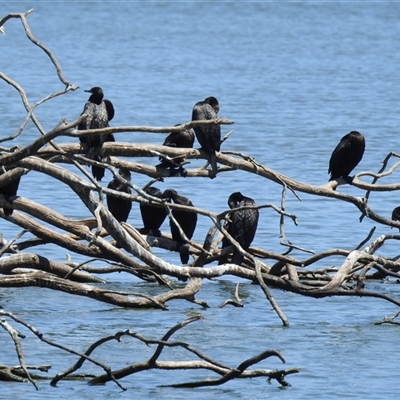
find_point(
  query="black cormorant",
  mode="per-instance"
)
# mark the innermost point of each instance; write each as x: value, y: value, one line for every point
x: 100, y: 112
x: 209, y: 136
x: 184, y: 139
x: 118, y: 207
x: 213, y: 102
x: 186, y: 220
x: 242, y: 225
x: 347, y: 154
x: 396, y: 214
x: 152, y: 216
x: 8, y: 191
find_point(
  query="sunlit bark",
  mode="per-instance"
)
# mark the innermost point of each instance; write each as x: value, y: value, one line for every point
x: 115, y: 246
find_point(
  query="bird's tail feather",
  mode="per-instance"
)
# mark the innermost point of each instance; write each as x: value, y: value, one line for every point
x: 184, y: 253
x: 213, y: 162
x: 98, y: 173
x: 8, y: 211
x: 237, y: 258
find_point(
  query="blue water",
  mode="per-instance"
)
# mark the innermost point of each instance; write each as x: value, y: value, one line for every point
x: 295, y: 77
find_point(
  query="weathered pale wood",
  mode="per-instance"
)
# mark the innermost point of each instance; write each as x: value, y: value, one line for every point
x: 102, y: 239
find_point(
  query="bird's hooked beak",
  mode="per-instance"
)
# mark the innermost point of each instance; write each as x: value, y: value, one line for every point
x: 89, y: 91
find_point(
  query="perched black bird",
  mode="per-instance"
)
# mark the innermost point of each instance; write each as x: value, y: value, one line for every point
x: 152, y: 216
x: 396, y: 214
x: 347, y: 154
x: 186, y: 220
x: 209, y: 136
x: 183, y: 138
x: 99, y: 112
x: 120, y: 208
x: 8, y: 191
x: 242, y: 225
x: 213, y: 102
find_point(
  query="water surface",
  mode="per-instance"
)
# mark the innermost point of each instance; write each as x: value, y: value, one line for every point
x: 295, y: 77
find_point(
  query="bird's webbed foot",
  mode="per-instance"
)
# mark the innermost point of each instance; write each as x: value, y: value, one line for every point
x: 348, y: 179
x: 180, y: 171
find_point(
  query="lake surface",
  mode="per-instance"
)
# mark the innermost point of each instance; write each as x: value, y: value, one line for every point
x: 294, y: 77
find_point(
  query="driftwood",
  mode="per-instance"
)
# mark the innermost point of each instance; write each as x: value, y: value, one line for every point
x: 115, y: 246
x: 202, y: 361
